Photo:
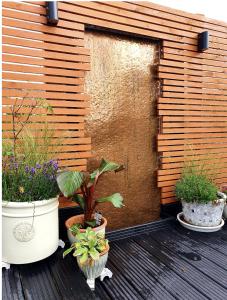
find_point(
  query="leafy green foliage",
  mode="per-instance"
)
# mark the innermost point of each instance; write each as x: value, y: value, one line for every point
x: 195, y: 186
x: 105, y: 166
x: 116, y: 199
x: 70, y: 182
x: 88, y: 246
x: 75, y: 228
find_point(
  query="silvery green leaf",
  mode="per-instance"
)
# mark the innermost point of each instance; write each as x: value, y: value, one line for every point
x: 69, y: 182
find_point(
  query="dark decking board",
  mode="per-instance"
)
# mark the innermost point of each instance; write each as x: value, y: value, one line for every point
x: 160, y: 260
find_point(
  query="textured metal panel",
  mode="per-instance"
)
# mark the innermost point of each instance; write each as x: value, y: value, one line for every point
x: 123, y: 123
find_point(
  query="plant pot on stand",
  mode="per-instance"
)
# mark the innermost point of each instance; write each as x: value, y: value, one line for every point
x: 91, y: 251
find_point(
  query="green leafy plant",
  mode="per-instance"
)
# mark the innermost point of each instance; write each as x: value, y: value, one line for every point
x: 196, y: 185
x: 70, y: 182
x: 88, y: 246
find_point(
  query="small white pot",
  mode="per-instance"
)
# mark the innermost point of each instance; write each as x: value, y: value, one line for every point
x: 95, y: 270
x: 79, y: 219
x: 198, y: 214
x: 29, y: 230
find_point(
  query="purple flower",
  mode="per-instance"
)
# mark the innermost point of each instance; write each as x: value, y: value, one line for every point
x: 50, y: 162
x: 32, y: 171
x: 55, y: 165
x: 38, y: 166
x: 27, y: 169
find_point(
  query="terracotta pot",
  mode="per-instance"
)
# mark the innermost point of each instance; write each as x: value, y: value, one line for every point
x: 95, y: 270
x: 79, y: 220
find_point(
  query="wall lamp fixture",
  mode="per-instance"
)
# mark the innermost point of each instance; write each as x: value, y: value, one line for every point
x: 203, y: 41
x: 52, y: 12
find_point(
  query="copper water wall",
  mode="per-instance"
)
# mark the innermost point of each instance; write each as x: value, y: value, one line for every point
x: 123, y: 124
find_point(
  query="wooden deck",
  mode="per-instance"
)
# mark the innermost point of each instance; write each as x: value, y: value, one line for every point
x: 160, y: 260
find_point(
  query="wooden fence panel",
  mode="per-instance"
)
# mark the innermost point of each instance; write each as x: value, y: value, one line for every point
x: 51, y: 62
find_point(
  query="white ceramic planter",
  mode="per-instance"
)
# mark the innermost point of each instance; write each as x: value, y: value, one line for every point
x: 209, y: 214
x: 79, y: 220
x: 29, y: 230
x: 95, y: 270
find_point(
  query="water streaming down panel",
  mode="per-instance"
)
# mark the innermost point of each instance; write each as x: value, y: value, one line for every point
x: 123, y: 124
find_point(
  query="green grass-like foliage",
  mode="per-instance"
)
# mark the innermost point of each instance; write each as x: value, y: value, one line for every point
x: 88, y: 247
x: 196, y: 186
x: 28, y: 172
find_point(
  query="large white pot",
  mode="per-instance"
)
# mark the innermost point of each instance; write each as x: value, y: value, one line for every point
x: 29, y: 230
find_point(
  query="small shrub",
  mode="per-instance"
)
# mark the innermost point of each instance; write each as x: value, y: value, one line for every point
x: 195, y: 186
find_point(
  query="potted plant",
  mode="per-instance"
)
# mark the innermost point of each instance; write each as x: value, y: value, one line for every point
x: 202, y: 204
x: 224, y: 190
x: 91, y: 251
x: 29, y: 191
x: 70, y: 182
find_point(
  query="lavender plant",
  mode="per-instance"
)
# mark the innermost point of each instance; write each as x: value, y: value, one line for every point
x: 29, y: 173
x: 22, y: 183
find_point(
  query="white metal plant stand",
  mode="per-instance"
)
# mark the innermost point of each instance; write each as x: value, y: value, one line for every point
x: 105, y: 273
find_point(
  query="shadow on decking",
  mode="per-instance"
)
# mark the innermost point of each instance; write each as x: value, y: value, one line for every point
x: 160, y: 260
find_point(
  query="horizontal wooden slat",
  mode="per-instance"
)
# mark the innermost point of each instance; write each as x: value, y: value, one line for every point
x: 42, y: 86
x: 41, y: 78
x: 44, y: 54
x: 47, y: 95
x: 199, y: 102
x: 12, y: 31
x: 9, y: 40
x: 41, y: 28
x: 42, y: 70
x: 20, y: 11
x: 44, y: 62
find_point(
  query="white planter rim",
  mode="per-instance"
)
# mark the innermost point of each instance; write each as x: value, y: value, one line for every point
x: 28, y: 204
x: 34, y: 208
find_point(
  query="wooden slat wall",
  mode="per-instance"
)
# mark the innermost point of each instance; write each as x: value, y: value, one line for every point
x: 47, y: 62
x: 192, y: 105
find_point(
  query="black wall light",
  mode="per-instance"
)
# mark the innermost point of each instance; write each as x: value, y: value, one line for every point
x: 203, y: 41
x: 52, y: 12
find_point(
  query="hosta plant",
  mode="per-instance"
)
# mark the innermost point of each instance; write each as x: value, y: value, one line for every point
x: 88, y: 247
x: 80, y: 186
